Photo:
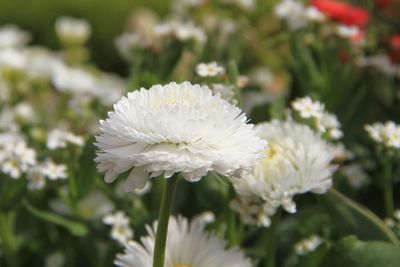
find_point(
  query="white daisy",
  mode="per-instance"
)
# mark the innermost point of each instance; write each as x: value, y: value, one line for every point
x: 187, y: 245
x: 387, y: 134
x: 59, y: 138
x: 299, y: 162
x: 121, y: 231
x: 13, y: 36
x: 175, y: 128
x: 209, y: 69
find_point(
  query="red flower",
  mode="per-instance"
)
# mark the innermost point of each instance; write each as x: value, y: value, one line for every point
x: 342, y: 12
x: 395, y: 42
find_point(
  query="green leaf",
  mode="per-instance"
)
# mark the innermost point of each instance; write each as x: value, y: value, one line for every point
x: 352, y: 252
x: 86, y: 172
x: 351, y: 218
x: 75, y: 228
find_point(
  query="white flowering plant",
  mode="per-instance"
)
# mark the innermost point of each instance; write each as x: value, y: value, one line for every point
x: 234, y: 133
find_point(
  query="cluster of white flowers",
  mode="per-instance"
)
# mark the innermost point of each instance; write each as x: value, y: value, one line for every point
x: 387, y: 134
x: 299, y: 161
x: 325, y: 122
x: 188, y: 244
x: 308, y: 245
x: 296, y: 14
x: 247, y: 5
x: 121, y: 231
x: 210, y: 69
x: 175, y: 128
x: 37, y: 174
x: 59, y: 138
x: 16, y: 158
x: 72, y: 30
x: 381, y: 62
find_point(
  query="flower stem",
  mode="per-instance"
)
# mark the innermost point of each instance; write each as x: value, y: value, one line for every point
x: 163, y: 219
x: 271, y: 238
x: 388, y: 199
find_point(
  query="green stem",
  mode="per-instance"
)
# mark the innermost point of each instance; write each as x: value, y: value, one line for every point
x: 388, y: 199
x: 271, y: 238
x: 163, y: 219
x: 8, y: 241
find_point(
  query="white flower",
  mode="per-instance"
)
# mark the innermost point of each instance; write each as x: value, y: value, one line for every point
x: 299, y: 162
x: 36, y: 179
x: 175, y: 128
x: 15, y: 157
x: 225, y: 91
x: 387, y: 134
x: 59, y: 138
x: 329, y: 123
x: 209, y: 69
x: 54, y: 171
x: 187, y: 245
x: 128, y: 41
x: 182, y: 31
x: 121, y: 230
x: 13, y: 36
x: 293, y: 12
x: 313, y: 14
x: 308, y: 108
x: 25, y: 112
x: 72, y: 30
x: 251, y: 211
x: 12, y: 58
x: 41, y: 63
x: 347, y: 31
x: 308, y: 245
x: 396, y: 215
x: 245, y: 4
x: 381, y: 62
x: 355, y: 175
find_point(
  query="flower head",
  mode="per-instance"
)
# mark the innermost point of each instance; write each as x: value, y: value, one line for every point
x: 307, y: 108
x: 187, y: 245
x: 387, y: 134
x: 209, y: 69
x: 175, y: 128
x: 299, y: 162
x: 72, y: 30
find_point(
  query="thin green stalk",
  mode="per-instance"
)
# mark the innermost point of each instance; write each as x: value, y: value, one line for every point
x: 163, y: 219
x: 388, y: 199
x: 232, y: 229
x: 8, y: 241
x: 271, y: 239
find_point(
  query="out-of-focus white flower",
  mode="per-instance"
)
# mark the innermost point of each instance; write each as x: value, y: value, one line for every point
x: 251, y: 210
x: 128, y: 41
x: 329, y: 123
x: 209, y: 69
x: 41, y: 63
x: 293, y: 12
x: 380, y: 62
x: 244, y: 4
x: 13, y: 36
x: 25, y: 112
x: 299, y: 161
x: 389, y: 222
x: 313, y: 14
x: 15, y: 157
x: 121, y: 230
x: 355, y: 175
x: 175, y: 128
x: 396, y: 215
x: 95, y: 205
x: 36, y: 179
x: 54, y: 171
x: 12, y: 58
x: 307, y: 108
x: 205, y: 217
x: 181, y: 31
x: 347, y: 31
x: 72, y: 30
x: 387, y: 134
x: 225, y: 91
x: 308, y: 245
x: 59, y: 138
x: 187, y: 245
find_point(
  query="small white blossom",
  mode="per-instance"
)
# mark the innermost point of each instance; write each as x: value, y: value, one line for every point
x: 121, y: 230
x: 13, y: 36
x: 36, y: 179
x: 54, y: 171
x: 293, y: 12
x: 209, y: 69
x: 308, y: 108
x: 59, y: 138
x: 355, y: 175
x: 396, y: 215
x: 12, y: 58
x: 387, y: 134
x: 72, y: 30
x: 313, y: 14
x: 347, y: 31
x: 308, y: 245
x: 182, y: 31
x: 128, y: 41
